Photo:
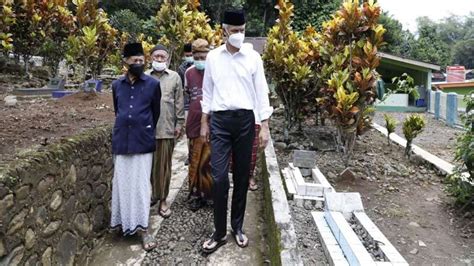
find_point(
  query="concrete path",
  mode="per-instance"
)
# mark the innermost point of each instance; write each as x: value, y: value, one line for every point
x: 115, y: 250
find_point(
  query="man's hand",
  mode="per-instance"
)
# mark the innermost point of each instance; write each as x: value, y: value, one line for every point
x: 264, y: 135
x: 205, y: 132
x: 178, y: 132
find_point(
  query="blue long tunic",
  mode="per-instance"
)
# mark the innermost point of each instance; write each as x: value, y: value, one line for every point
x: 137, y: 109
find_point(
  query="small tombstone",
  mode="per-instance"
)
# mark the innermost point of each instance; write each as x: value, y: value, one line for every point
x: 305, y: 172
x: 304, y: 159
x: 347, y: 203
x: 56, y: 84
x: 10, y: 100
x: 92, y: 85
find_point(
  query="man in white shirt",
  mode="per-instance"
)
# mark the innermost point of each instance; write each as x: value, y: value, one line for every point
x: 235, y: 97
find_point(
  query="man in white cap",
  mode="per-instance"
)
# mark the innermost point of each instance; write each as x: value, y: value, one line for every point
x: 235, y: 96
x: 170, y: 126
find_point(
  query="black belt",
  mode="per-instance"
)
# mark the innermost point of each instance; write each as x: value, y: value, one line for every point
x: 234, y: 113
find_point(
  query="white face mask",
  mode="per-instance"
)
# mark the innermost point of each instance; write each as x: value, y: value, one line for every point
x: 158, y: 66
x: 236, y: 39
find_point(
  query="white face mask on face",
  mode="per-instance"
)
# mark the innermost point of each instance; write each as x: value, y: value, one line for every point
x: 158, y: 66
x: 236, y: 39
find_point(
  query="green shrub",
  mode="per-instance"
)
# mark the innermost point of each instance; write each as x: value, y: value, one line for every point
x: 390, y: 124
x: 412, y: 126
x: 460, y: 183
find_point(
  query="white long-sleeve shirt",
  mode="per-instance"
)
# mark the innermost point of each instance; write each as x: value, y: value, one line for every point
x: 236, y: 81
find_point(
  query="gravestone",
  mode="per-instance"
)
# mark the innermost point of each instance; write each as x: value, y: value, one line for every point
x: 56, y: 84
x: 304, y: 159
x: 92, y: 85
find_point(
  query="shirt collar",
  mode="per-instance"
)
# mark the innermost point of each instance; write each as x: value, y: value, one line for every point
x: 156, y: 73
x: 243, y: 50
x: 125, y: 78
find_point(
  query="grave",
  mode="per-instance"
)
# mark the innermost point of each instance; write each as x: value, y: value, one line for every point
x: 305, y: 161
x: 60, y: 94
x: 348, y: 235
x: 93, y: 85
x: 56, y: 84
x: 300, y: 190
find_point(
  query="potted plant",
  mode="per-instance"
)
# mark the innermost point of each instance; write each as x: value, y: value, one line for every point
x: 403, y: 92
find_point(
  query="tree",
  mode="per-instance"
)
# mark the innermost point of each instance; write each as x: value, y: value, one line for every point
x: 187, y: 24
x: 291, y: 59
x: 463, y: 49
x: 96, y: 40
x: 27, y: 32
x: 144, y: 9
x: 216, y: 8
x: 313, y: 13
x: 398, y: 41
x: 429, y: 46
x: 463, y: 53
x: 7, y: 19
x: 127, y: 21
x: 349, y: 50
x: 58, y: 25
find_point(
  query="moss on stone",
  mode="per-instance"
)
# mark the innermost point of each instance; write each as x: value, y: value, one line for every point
x: 273, y: 234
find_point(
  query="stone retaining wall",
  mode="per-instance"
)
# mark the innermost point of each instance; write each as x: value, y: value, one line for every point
x: 54, y: 203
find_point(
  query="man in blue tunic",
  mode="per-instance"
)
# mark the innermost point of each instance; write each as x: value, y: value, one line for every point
x: 136, y: 99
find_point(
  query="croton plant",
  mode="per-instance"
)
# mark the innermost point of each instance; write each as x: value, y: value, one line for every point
x: 291, y: 58
x: 180, y: 22
x: 349, y: 49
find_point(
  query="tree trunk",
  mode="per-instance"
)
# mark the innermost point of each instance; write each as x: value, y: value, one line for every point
x: 345, y: 143
x: 286, y: 130
x: 408, y: 149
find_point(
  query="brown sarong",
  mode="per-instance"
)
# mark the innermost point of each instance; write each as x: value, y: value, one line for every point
x: 161, y: 176
x: 200, y: 179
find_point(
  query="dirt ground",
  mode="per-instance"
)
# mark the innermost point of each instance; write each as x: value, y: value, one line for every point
x: 405, y: 198
x: 439, y: 142
x: 39, y: 122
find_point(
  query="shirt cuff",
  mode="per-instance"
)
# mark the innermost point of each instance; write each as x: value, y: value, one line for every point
x: 205, y: 108
x: 266, y: 113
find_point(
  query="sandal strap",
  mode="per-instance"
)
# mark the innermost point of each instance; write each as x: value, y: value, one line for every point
x: 240, y: 236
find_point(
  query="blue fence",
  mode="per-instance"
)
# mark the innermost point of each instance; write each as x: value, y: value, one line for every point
x: 446, y: 106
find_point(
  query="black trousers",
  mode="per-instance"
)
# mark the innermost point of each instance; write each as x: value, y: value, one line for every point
x: 231, y: 131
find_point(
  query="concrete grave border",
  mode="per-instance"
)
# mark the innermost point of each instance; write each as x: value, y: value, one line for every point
x: 300, y: 190
x: 277, y: 213
x: 439, y: 163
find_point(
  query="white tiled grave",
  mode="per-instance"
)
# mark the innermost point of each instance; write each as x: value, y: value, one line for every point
x: 301, y: 190
x: 340, y: 241
x: 342, y: 245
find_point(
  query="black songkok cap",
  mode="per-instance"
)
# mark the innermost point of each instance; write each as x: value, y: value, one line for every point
x: 234, y: 17
x: 133, y: 49
x: 188, y: 48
